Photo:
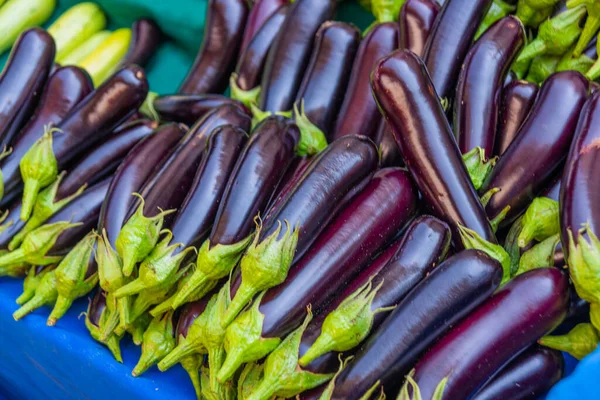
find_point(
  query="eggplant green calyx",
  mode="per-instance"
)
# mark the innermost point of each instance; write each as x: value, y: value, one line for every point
x: 137, y: 329
x: 534, y: 12
x: 14, y: 270
x: 282, y: 375
x: 498, y: 10
x: 139, y: 236
x: 348, y: 325
x: 259, y: 115
x: 187, y: 346
x: 595, y: 316
x: 192, y: 365
x: 246, y: 97
x: 328, y: 392
x: 592, y: 23
x: 478, y: 166
x: 71, y: 280
x: 594, y: 71
x: 223, y: 391
x: 147, y: 108
x: 569, y: 62
x: 539, y: 256
x: 386, y: 10
x: 404, y: 394
x: 31, y: 282
x: 39, y: 168
x: 370, y: 394
x: 159, y: 340
x: 45, y: 295
x: 579, y: 342
x: 264, y: 265
x: 541, y: 68
x: 45, y: 206
x: 511, y: 245
x: 471, y: 240
x: 244, y: 342
x: 584, y: 264
x: 249, y: 379
x: 36, y: 245
x: 312, y: 139
x: 5, y: 153
x: 142, y: 303
x: 541, y: 220
x: 8, y: 224
x: 213, y: 263
x: 113, y: 342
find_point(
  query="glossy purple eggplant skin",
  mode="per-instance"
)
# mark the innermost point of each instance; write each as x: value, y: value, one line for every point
x: 260, y: 13
x: 359, y: 114
x: 188, y: 109
x: 252, y: 60
x: 96, y: 307
x: 64, y: 90
x: 326, y: 79
x: 518, y: 98
x: 546, y: 133
x: 197, y: 213
x: 145, y: 39
x: 446, y: 295
x: 416, y: 21
x: 256, y: 174
x: 189, y: 313
x: 480, y: 83
x: 406, y: 96
x: 449, y: 42
x: 388, y: 148
x: 22, y: 80
x: 525, y: 309
x: 292, y: 175
x: 552, y: 191
x: 580, y: 188
x: 423, y: 246
x: 290, y: 53
x: 325, y: 187
x: 342, y: 250
x: 528, y: 376
x: 225, y: 20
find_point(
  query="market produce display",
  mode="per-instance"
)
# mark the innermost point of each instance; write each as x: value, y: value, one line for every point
x: 407, y: 212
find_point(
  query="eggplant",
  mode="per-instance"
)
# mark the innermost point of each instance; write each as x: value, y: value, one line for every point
x: 23, y: 79
x: 145, y: 39
x: 256, y: 174
x: 369, y: 221
x: 518, y: 98
x: 188, y: 109
x: 225, y: 20
x: 158, y: 341
x: 388, y: 148
x: 94, y: 320
x: 416, y: 21
x: 98, y: 114
x: 445, y: 296
x: 290, y: 53
x: 424, y: 245
x: 498, y: 10
x: 449, y: 42
x: 480, y: 85
x: 525, y: 309
x: 260, y: 13
x: 359, y: 114
x: 547, y: 132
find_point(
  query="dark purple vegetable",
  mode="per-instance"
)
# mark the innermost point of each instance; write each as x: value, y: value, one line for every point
x: 547, y: 132
x: 524, y: 310
x: 388, y: 148
x: 416, y: 21
x: 94, y: 321
x: 189, y: 108
x: 553, y: 189
x: 260, y: 13
x: 518, y: 98
x: 145, y: 39
x: 480, y: 84
x: 290, y: 53
x: 449, y: 41
x: 445, y: 296
x: 359, y: 114
x: 292, y: 175
x: 225, y: 20
x: 22, y: 80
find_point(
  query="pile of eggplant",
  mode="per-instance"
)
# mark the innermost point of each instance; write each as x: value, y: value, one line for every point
x: 410, y: 211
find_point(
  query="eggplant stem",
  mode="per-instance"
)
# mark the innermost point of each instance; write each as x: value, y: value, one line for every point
x: 180, y: 352
x: 133, y: 287
x: 61, y: 306
x: 27, y: 308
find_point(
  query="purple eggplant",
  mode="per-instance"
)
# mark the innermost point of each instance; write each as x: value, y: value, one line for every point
x: 188, y: 109
x: 528, y: 376
x: 260, y: 13
x: 388, y: 148
x: 547, y: 132
x: 145, y: 39
x: 449, y: 42
x: 518, y: 98
x: 524, y: 310
x: 225, y: 20
x: 416, y: 21
x: 94, y: 320
x: 480, y: 85
x: 369, y: 221
x: 446, y: 295
x: 22, y: 80
x: 359, y: 114
x: 290, y: 53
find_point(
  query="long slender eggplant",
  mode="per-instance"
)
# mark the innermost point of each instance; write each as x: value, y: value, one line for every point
x: 480, y: 85
x: 89, y: 123
x: 416, y: 21
x: 260, y: 13
x: 369, y: 221
x: 547, y: 132
x: 145, y: 39
x: 225, y: 20
x: 449, y: 42
x: 290, y: 53
x: 23, y: 79
x: 530, y: 375
x: 188, y: 109
x: 424, y: 246
x: 94, y: 321
x: 256, y: 174
x: 359, y: 114
x: 498, y: 10
x: 518, y: 98
x: 511, y: 320
x: 445, y: 296
x: 388, y: 148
